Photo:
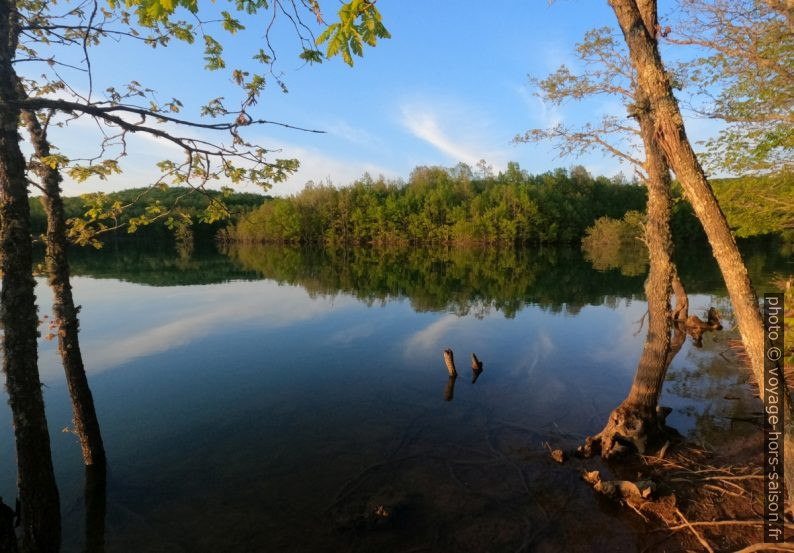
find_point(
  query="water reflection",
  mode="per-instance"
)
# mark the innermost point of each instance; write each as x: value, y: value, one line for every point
x: 477, y: 368
x: 286, y: 413
x: 476, y: 371
x: 449, y: 389
x: 458, y: 281
x: 95, y: 508
x: 9, y: 519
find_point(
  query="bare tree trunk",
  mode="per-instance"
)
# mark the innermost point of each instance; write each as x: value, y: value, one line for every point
x: 86, y: 424
x: 637, y: 420
x: 652, y: 77
x: 40, y: 505
x: 671, y: 135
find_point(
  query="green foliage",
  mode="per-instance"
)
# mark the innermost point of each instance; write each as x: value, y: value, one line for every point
x: 743, y: 66
x: 479, y: 279
x: 51, y: 34
x: 757, y: 205
x: 359, y: 23
x: 441, y: 206
x: 155, y: 213
x: 617, y: 244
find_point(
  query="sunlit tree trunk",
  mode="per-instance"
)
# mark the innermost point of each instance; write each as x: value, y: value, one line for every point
x: 671, y: 135
x: 637, y: 420
x: 38, y: 492
x: 670, y: 132
x: 86, y: 424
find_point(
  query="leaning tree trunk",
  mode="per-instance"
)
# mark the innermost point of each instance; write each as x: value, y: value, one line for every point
x: 681, y: 311
x: 41, y: 525
x: 637, y: 421
x: 671, y: 135
x: 652, y: 77
x: 86, y: 424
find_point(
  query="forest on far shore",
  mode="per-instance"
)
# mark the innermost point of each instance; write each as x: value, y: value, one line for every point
x: 456, y: 206
x: 436, y: 205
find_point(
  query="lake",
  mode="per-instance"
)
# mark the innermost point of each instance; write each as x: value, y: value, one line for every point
x: 270, y: 398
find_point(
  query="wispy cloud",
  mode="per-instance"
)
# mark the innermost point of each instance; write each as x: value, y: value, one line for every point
x: 424, y: 124
x: 353, y: 134
x: 544, y: 114
x: 317, y: 166
x: 463, y: 133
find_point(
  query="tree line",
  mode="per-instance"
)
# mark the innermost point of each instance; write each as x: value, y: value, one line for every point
x: 454, y: 205
x: 440, y: 205
x: 152, y: 213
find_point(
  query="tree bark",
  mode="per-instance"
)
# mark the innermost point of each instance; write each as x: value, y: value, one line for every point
x: 671, y: 135
x: 652, y: 77
x: 40, y: 516
x: 86, y: 424
x: 637, y: 420
x: 681, y: 311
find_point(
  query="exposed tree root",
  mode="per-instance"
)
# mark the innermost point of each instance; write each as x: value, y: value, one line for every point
x: 630, y: 429
x: 717, y: 506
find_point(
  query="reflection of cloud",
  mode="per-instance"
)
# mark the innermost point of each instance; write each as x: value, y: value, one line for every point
x: 160, y: 319
x: 537, y: 350
x: 351, y: 333
x: 621, y: 346
x: 429, y: 337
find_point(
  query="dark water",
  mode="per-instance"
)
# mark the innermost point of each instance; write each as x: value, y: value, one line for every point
x: 272, y: 399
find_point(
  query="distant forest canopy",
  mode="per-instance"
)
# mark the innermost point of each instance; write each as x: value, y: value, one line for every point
x: 444, y: 206
x: 138, y: 200
x: 441, y: 206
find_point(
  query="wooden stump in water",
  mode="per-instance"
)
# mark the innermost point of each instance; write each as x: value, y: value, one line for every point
x: 476, y: 368
x: 450, y: 362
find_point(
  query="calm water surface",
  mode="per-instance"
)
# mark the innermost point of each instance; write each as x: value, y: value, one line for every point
x: 268, y: 399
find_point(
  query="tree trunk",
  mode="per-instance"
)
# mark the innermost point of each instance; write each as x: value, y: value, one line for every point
x: 671, y: 135
x: 652, y: 77
x: 86, y: 424
x: 40, y: 516
x: 637, y: 421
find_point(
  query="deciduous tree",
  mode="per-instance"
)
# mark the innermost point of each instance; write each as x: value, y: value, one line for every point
x: 39, y: 32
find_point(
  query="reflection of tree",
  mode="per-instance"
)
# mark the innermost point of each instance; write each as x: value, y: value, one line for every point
x: 155, y: 264
x: 715, y: 382
x: 615, y: 244
x: 444, y: 279
x: 95, y: 508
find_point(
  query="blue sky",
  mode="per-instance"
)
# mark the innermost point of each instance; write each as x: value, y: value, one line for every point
x: 449, y: 86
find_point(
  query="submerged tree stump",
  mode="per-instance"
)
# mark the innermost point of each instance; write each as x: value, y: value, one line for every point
x: 476, y: 368
x: 449, y: 359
